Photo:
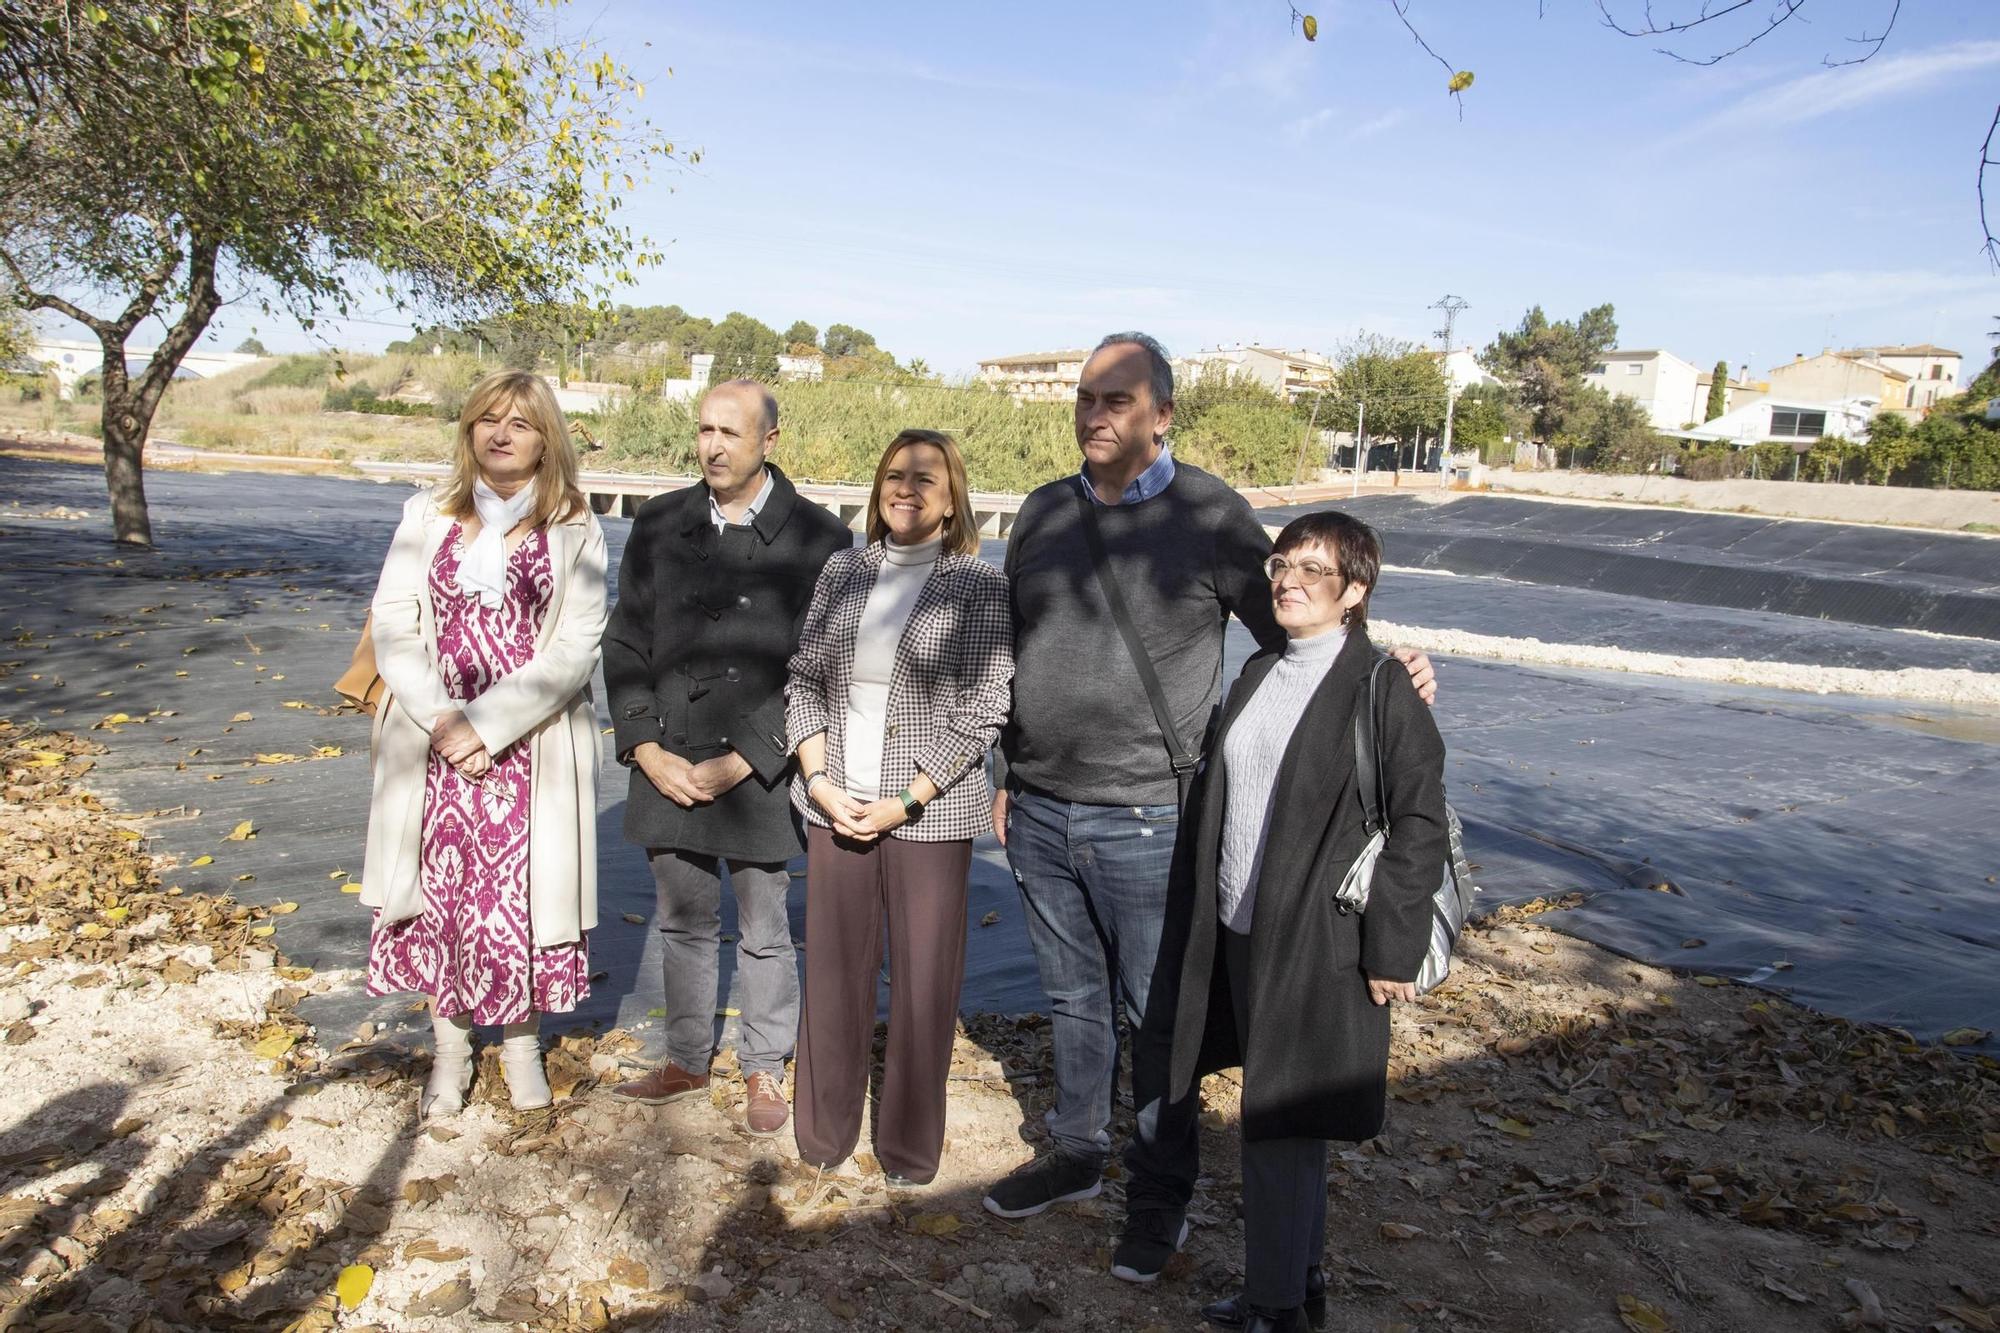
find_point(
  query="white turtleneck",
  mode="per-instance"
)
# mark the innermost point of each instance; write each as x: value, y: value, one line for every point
x: 1252, y: 753
x: 904, y: 572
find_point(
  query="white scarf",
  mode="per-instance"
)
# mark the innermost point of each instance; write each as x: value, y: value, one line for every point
x: 482, y: 571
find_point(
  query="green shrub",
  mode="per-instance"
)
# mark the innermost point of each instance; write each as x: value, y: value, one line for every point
x: 296, y: 372
x: 1254, y: 444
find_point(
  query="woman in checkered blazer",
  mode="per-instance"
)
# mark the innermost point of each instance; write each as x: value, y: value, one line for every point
x: 900, y: 685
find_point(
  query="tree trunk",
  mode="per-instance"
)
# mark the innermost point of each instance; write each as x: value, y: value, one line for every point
x: 125, y: 422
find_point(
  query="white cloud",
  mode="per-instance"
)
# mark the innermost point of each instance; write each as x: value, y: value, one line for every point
x: 1843, y: 89
x: 1824, y: 293
x: 1304, y: 126
x: 1375, y: 125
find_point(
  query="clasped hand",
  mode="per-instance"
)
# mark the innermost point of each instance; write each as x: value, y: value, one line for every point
x: 459, y: 745
x: 686, y: 783
x: 863, y: 821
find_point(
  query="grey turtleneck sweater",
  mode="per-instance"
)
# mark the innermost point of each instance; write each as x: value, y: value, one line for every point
x: 1252, y: 753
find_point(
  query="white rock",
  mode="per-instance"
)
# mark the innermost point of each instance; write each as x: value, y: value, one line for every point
x: 14, y: 1006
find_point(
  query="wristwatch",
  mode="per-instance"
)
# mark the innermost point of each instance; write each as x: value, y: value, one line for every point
x: 912, y: 807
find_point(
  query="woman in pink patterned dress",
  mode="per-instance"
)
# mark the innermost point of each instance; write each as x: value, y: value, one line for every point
x: 482, y: 845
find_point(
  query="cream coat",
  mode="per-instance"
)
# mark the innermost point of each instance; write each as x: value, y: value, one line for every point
x: 547, y: 703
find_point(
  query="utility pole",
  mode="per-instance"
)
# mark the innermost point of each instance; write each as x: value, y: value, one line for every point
x: 1361, y: 445
x: 1451, y: 305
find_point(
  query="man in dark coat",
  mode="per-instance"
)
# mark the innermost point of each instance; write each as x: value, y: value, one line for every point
x: 712, y: 594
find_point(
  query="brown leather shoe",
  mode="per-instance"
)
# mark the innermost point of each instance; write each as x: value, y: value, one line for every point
x: 767, y: 1112
x: 668, y: 1083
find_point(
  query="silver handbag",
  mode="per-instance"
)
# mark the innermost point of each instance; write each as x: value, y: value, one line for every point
x: 1452, y: 901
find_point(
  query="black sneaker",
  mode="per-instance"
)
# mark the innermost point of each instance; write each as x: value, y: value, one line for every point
x: 1051, y: 1179
x: 1151, y: 1237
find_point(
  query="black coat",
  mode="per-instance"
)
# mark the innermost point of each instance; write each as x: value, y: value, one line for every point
x: 695, y: 654
x: 1317, y: 1063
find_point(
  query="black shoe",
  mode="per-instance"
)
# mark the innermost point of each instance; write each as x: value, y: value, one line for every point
x: 1276, y: 1321
x: 1152, y: 1236
x: 1051, y: 1179
x: 1235, y: 1312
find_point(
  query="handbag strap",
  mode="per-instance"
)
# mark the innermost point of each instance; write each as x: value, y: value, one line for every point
x: 1184, y: 763
x: 1368, y: 775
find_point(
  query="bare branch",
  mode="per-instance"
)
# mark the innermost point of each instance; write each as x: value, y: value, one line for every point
x: 1786, y: 11
x: 1874, y: 44
x: 1987, y: 159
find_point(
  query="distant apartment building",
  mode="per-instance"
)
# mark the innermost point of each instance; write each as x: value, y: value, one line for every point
x: 1933, y: 371
x: 1036, y: 377
x: 1660, y: 382
x: 1051, y: 377
x: 1294, y: 374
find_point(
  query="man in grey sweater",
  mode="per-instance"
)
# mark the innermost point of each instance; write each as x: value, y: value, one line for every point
x: 1088, y: 808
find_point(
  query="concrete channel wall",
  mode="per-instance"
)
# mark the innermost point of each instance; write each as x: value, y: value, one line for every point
x: 1843, y: 503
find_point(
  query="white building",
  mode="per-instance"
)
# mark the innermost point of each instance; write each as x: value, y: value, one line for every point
x: 1462, y: 369
x: 1658, y: 381
x: 1788, y: 420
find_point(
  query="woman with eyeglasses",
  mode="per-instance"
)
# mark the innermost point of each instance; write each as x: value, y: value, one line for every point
x: 1275, y: 976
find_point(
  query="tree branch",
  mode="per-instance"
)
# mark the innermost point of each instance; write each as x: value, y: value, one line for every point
x: 1874, y: 44
x: 34, y: 300
x: 1987, y: 159
x: 1402, y: 8
x: 1787, y: 9
x: 202, y: 302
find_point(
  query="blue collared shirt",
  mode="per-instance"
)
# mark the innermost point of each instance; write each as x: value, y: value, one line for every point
x: 1158, y: 475
x: 749, y: 513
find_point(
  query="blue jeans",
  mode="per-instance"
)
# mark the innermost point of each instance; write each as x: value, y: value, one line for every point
x: 1094, y: 880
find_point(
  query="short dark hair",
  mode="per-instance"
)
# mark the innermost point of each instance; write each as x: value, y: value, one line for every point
x: 1160, y: 369
x: 1356, y: 549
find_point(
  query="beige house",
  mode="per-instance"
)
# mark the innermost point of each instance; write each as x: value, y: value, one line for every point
x: 1282, y: 370
x: 1838, y: 377
x: 1036, y: 377
x: 1933, y: 371
x: 1658, y: 381
x: 1740, y: 392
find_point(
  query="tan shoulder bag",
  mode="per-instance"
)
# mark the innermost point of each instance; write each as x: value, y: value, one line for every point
x: 361, y: 684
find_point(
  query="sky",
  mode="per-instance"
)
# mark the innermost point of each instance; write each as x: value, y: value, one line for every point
x: 975, y: 181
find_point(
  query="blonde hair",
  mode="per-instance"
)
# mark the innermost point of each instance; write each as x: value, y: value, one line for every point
x: 557, y: 495
x: 961, y: 529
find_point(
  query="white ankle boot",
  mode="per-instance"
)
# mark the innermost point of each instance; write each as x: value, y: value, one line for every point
x: 521, y: 1057
x: 451, y: 1068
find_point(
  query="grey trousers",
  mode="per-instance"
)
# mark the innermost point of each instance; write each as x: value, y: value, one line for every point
x: 1284, y: 1184
x: 689, y: 896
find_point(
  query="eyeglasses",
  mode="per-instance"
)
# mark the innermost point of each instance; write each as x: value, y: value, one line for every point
x: 1277, y: 567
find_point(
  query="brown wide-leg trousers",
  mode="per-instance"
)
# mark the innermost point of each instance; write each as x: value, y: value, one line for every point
x: 850, y: 888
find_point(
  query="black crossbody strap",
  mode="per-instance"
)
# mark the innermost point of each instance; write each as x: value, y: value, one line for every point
x: 1368, y: 774
x: 1184, y: 763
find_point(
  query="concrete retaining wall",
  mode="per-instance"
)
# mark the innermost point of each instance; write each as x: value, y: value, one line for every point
x: 1905, y: 505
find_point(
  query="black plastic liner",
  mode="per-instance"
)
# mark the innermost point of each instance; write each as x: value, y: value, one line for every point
x: 1943, y: 583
